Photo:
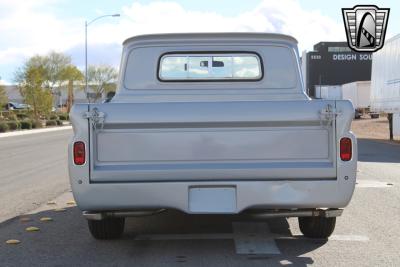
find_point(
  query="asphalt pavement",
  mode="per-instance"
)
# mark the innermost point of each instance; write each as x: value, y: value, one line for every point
x: 366, y: 235
x: 33, y: 169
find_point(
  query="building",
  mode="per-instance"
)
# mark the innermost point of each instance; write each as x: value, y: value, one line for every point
x: 334, y: 63
x: 14, y: 95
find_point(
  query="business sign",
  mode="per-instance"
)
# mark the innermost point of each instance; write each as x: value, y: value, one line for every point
x: 351, y: 57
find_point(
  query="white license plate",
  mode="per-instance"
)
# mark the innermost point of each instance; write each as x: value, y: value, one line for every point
x: 212, y: 199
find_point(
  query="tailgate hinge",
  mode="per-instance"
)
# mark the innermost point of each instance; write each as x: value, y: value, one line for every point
x: 328, y: 115
x: 96, y: 118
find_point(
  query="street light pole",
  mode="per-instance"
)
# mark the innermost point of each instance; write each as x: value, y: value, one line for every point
x: 86, y: 54
x: 86, y: 68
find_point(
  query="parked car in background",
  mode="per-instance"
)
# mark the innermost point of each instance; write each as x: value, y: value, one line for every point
x: 212, y: 124
x: 15, y: 105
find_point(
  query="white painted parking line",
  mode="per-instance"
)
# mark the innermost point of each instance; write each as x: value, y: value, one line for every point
x: 354, y: 238
x: 254, y: 238
x: 249, y: 237
x: 222, y: 236
x: 359, y: 238
x: 34, y: 131
x: 372, y: 184
x: 161, y: 237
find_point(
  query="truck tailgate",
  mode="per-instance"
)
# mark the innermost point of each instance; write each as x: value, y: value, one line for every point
x: 248, y: 140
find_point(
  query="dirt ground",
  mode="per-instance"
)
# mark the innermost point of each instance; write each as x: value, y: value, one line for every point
x: 371, y: 128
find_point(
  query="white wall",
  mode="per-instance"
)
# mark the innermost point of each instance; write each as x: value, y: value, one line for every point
x: 385, y: 77
x: 358, y: 93
x: 14, y: 95
x: 396, y: 124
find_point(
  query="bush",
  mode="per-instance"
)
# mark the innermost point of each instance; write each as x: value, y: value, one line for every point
x: 63, y: 117
x: 59, y: 123
x: 51, y: 123
x: 13, y: 125
x: 26, y: 124
x: 22, y: 116
x: 11, y: 116
x: 3, y: 127
x: 37, y: 124
x: 53, y: 117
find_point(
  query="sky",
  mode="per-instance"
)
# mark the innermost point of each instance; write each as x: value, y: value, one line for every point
x: 30, y: 27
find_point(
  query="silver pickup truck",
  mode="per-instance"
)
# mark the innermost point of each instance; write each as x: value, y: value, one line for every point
x: 212, y: 124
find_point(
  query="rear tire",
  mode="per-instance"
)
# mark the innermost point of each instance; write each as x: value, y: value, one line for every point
x: 108, y: 228
x: 317, y: 227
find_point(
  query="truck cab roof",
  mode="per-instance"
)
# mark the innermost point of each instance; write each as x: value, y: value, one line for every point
x: 227, y: 36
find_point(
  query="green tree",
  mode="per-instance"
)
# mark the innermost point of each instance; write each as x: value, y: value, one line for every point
x: 71, y: 74
x: 52, y: 72
x: 3, y: 97
x: 102, y: 79
x: 55, y: 65
x: 31, y: 88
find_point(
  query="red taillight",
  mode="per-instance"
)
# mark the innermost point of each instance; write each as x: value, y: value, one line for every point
x: 345, y: 149
x: 79, y: 153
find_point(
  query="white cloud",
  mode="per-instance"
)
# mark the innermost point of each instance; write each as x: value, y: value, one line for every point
x: 285, y: 16
x: 3, y: 82
x: 28, y: 28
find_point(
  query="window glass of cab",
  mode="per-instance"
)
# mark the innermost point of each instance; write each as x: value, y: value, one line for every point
x: 210, y: 67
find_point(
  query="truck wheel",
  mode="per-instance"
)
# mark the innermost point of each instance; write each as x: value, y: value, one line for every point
x: 108, y: 228
x: 317, y: 227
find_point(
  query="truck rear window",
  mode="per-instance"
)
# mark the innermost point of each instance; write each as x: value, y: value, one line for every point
x: 210, y: 66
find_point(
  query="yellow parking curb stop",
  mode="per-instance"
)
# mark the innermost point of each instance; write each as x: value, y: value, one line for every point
x: 32, y: 229
x: 13, y: 242
x: 59, y: 209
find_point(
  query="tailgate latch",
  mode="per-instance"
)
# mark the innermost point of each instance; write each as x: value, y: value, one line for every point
x: 96, y: 118
x: 328, y: 114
